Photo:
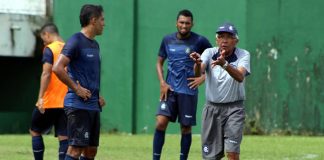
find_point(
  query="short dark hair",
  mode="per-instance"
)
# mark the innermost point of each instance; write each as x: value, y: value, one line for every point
x: 89, y: 11
x: 185, y: 13
x: 50, y: 28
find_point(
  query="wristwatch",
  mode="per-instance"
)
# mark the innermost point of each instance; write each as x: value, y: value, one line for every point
x: 225, y: 65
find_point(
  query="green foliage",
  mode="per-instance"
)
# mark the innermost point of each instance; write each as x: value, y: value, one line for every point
x: 139, y: 147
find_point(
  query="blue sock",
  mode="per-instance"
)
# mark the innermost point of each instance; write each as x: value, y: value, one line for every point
x: 84, y: 158
x: 158, y: 142
x: 185, y: 146
x: 68, y: 157
x: 62, y: 149
x: 38, y: 147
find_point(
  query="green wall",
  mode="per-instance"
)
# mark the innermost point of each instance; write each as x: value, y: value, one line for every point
x: 157, y: 18
x: 284, y: 92
x: 116, y: 45
x: 134, y: 30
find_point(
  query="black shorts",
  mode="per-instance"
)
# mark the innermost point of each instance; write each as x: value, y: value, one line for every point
x: 42, y: 123
x: 83, y: 127
x: 181, y: 106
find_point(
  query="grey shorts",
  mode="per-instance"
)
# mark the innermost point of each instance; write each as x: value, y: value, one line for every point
x: 222, y: 129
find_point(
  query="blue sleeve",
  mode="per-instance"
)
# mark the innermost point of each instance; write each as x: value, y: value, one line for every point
x: 162, y: 52
x: 47, y: 56
x: 70, y: 48
x: 204, y: 44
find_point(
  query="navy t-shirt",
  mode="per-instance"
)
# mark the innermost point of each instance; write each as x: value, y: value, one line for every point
x: 47, y: 56
x: 180, y: 65
x: 84, y: 67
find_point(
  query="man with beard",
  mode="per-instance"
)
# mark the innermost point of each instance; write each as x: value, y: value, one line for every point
x: 178, y: 93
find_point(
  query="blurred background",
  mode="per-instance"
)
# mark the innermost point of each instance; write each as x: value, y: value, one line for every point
x: 284, y: 38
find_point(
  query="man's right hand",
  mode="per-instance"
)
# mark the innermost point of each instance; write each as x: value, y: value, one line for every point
x: 84, y: 93
x: 164, y: 88
x: 39, y: 105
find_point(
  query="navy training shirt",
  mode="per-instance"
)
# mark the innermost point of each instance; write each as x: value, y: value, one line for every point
x: 180, y: 65
x: 84, y: 67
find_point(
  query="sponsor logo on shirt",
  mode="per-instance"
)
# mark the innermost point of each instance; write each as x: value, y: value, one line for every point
x: 90, y: 55
x: 188, y: 116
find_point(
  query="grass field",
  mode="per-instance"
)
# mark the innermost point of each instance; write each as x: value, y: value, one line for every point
x: 138, y: 147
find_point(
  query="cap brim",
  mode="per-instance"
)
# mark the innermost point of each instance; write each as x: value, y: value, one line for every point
x: 223, y: 31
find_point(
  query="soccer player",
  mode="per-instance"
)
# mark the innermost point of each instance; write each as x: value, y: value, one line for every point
x: 178, y: 93
x: 49, y: 111
x: 226, y: 67
x: 81, y: 56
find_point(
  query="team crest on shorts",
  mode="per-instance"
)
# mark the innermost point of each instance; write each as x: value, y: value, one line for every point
x: 86, y: 135
x: 163, y: 106
x: 205, y: 149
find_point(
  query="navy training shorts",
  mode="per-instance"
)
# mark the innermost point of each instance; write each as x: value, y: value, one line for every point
x: 83, y: 127
x: 181, y: 106
x: 42, y: 123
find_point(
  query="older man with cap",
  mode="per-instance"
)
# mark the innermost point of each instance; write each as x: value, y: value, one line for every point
x: 223, y: 115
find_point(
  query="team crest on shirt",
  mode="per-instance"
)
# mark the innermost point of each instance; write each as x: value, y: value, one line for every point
x: 188, y: 50
x: 90, y: 55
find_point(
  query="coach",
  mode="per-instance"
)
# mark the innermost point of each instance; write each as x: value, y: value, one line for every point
x: 223, y: 116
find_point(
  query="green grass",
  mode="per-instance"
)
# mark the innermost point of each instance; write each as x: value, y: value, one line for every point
x: 138, y: 147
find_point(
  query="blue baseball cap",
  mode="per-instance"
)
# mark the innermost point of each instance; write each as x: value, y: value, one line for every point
x: 227, y: 27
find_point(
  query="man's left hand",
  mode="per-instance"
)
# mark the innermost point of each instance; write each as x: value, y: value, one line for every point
x: 220, y: 60
x: 102, y: 102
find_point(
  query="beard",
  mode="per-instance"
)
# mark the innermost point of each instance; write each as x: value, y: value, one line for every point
x: 183, y: 34
x: 99, y: 32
